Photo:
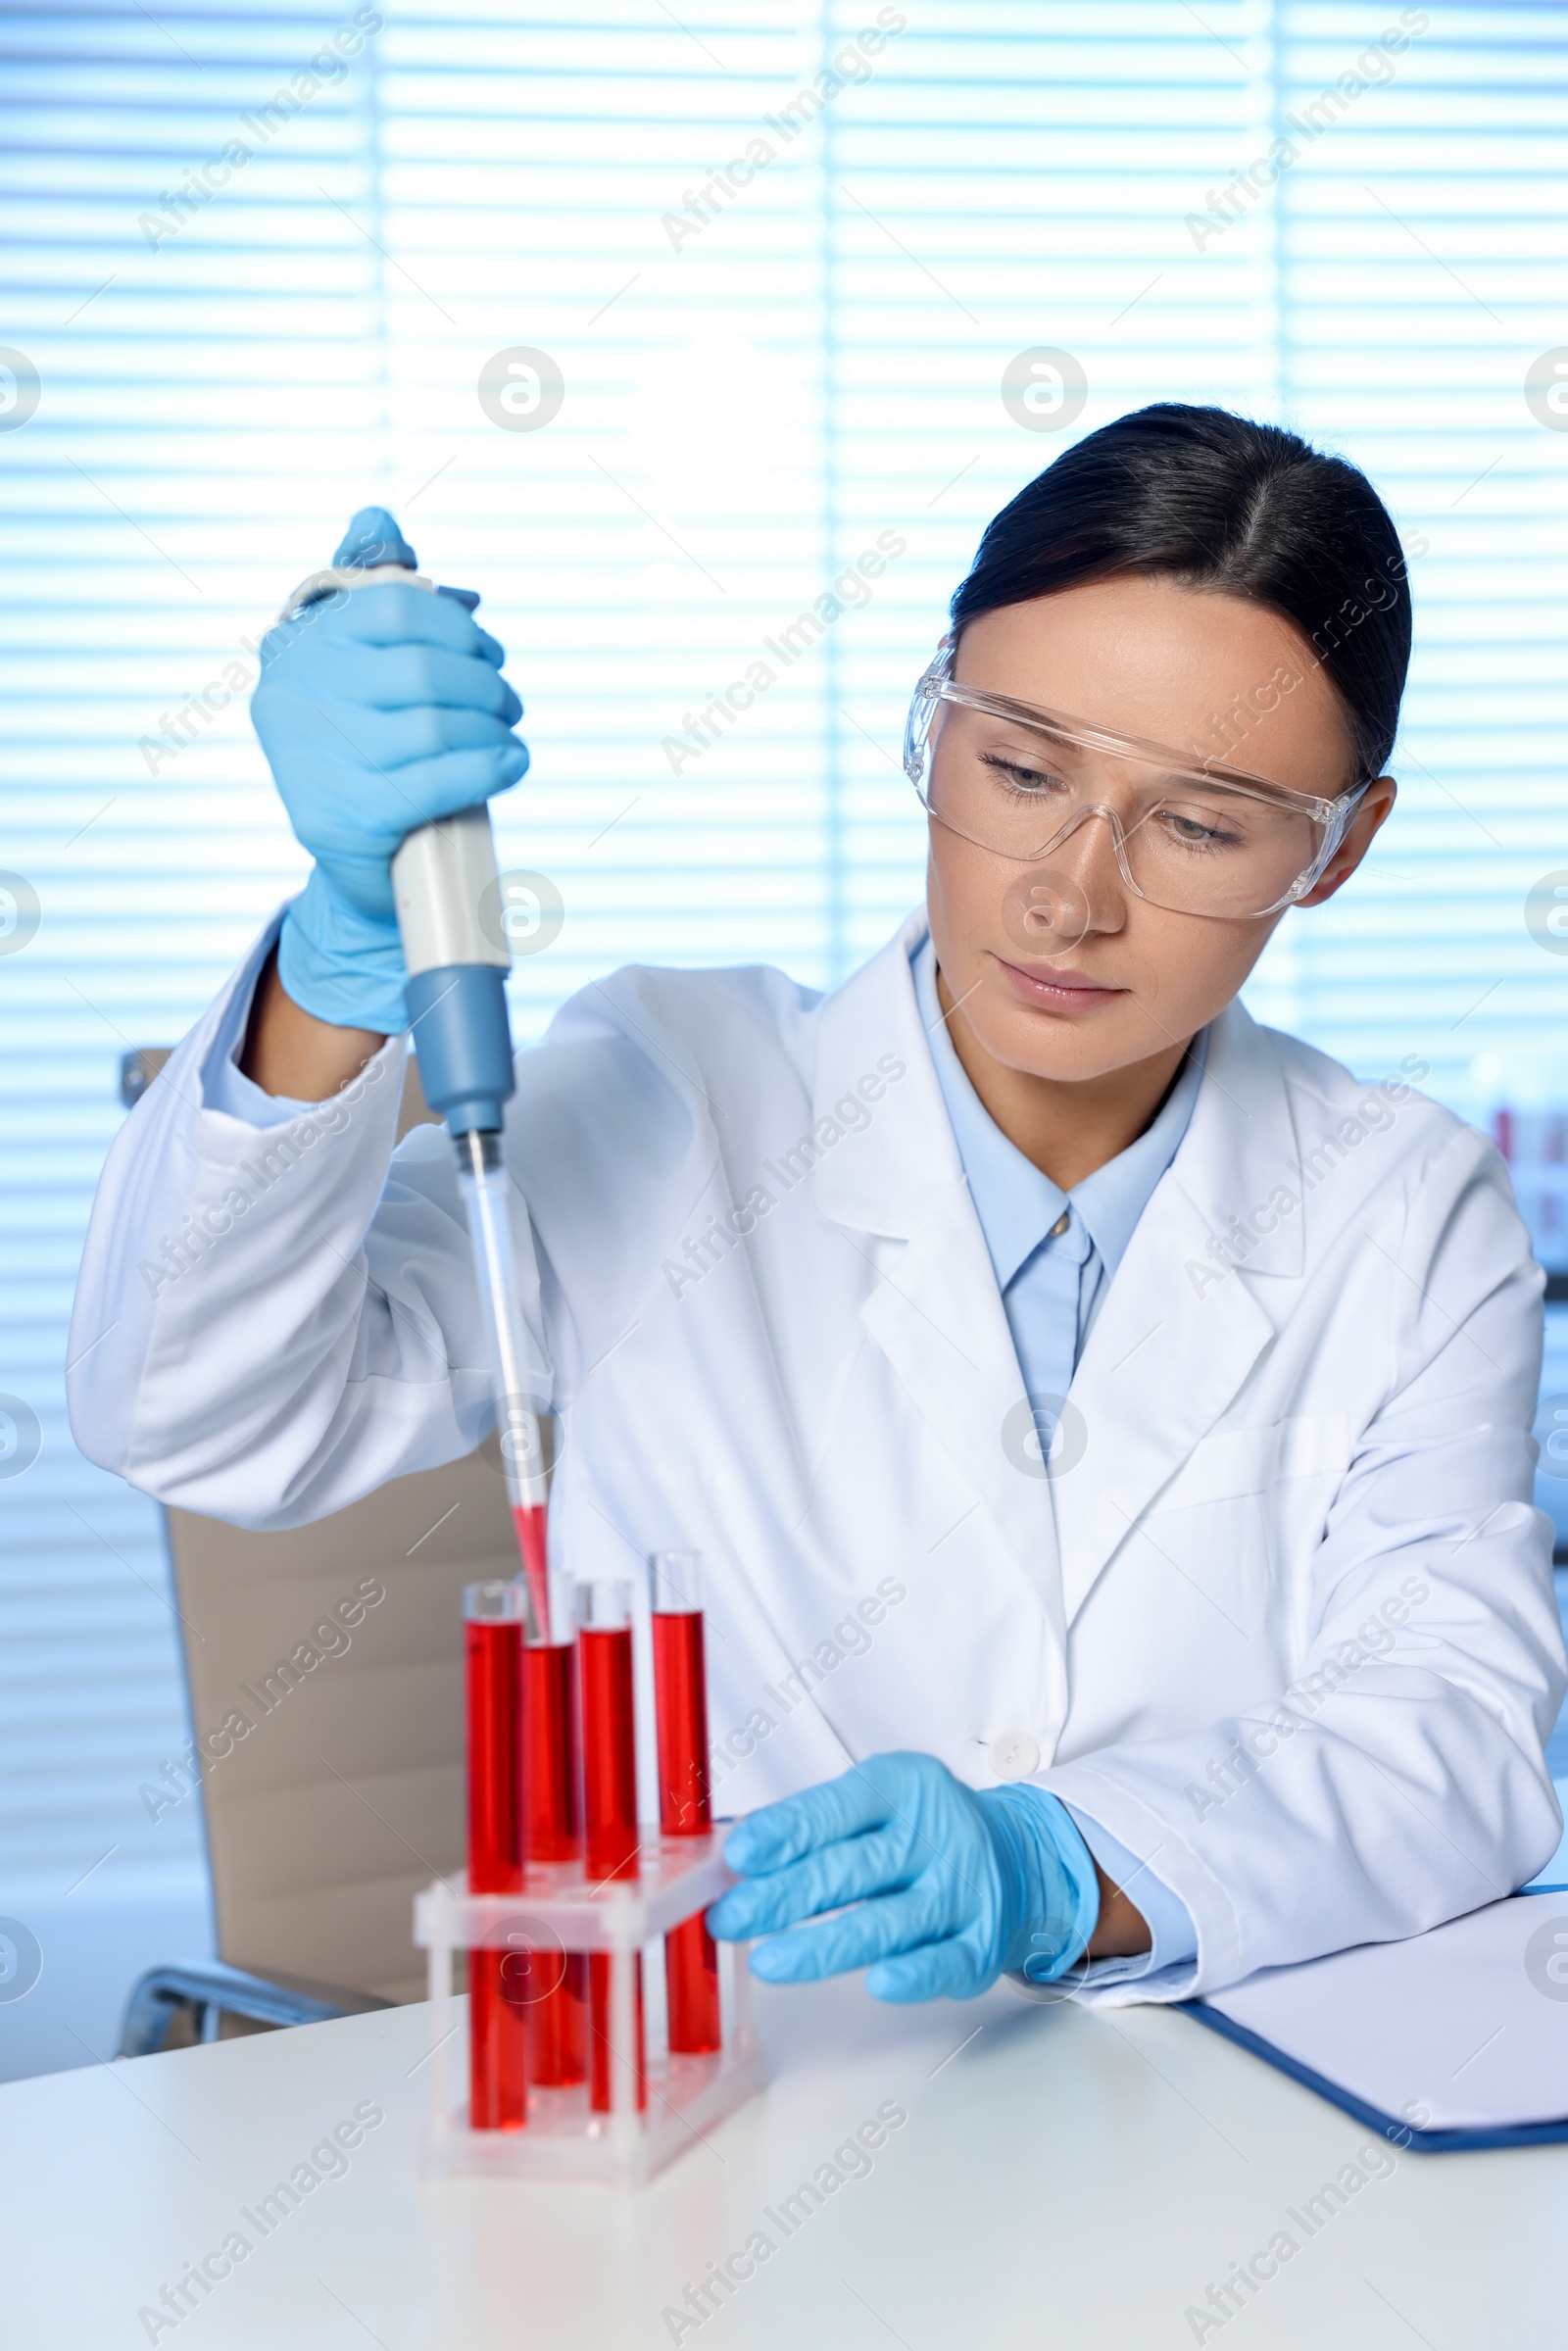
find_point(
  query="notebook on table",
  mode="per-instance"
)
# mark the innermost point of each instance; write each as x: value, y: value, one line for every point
x: 1452, y: 2039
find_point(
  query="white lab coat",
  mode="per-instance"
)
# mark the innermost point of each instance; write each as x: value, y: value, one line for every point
x: 1284, y: 1625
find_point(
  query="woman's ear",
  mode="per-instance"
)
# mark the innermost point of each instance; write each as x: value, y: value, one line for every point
x: 1359, y: 834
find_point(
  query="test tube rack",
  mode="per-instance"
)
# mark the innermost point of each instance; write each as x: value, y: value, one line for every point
x: 561, y: 1909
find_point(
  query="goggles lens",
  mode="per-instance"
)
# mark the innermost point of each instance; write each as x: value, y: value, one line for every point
x: 1019, y: 780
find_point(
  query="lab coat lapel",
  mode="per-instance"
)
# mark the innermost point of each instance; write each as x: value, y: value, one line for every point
x: 1180, y: 1327
x: 936, y: 1312
x: 938, y: 1318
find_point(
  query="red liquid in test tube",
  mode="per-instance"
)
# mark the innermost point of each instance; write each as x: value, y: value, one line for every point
x: 680, y: 1694
x: 610, y: 1796
x: 498, y: 1979
x: 558, y: 2022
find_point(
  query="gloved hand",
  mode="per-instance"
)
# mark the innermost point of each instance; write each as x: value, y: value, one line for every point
x: 378, y: 710
x: 953, y: 1886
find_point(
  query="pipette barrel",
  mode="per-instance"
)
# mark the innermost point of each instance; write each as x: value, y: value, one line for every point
x: 498, y: 1979
x: 557, y: 2021
x: 685, y: 1809
x: 609, y: 1798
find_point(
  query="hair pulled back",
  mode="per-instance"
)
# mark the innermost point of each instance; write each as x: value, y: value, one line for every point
x: 1217, y: 502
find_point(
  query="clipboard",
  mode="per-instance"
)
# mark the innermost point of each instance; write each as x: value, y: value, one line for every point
x: 1448, y: 2041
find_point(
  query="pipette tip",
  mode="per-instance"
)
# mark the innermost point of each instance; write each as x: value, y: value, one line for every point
x: 531, y: 1520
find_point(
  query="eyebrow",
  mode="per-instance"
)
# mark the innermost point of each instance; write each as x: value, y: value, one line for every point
x: 1059, y: 735
x: 1239, y: 783
x: 1232, y: 781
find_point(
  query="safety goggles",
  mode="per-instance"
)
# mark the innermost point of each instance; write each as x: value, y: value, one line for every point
x: 1194, y: 836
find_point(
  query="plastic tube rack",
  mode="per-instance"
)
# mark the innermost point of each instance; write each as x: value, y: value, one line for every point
x: 563, y: 1909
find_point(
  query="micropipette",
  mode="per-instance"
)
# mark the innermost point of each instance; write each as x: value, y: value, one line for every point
x: 447, y: 893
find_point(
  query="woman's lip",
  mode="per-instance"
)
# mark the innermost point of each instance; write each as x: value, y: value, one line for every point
x: 1057, y: 991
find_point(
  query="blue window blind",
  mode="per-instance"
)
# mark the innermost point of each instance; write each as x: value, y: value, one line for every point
x: 781, y: 260
x: 208, y: 367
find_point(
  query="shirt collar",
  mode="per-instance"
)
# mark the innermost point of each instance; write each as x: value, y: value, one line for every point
x: 1015, y: 1201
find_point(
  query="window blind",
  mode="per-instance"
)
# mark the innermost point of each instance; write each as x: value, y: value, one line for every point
x: 209, y: 368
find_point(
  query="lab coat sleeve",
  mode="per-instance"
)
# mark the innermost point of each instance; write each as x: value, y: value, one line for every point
x: 1172, y: 1937
x: 224, y: 1084
x: 269, y: 1323
x: 1398, y: 1779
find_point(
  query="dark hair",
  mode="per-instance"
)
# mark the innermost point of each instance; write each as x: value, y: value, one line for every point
x: 1219, y: 501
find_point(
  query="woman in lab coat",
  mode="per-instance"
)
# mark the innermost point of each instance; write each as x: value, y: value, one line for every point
x: 1106, y: 1421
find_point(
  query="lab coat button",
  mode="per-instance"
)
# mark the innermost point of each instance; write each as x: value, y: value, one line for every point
x: 1014, y: 1754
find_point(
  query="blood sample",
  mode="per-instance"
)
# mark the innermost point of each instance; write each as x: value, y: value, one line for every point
x: 494, y: 1615
x: 557, y: 2022
x: 610, y: 1796
x: 680, y: 1695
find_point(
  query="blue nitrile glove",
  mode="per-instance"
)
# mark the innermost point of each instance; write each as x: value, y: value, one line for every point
x: 377, y: 710
x: 953, y: 1886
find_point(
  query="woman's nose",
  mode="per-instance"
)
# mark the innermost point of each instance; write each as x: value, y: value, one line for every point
x: 1076, y: 888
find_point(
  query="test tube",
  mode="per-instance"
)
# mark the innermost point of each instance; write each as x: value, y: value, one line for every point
x: 608, y: 1795
x: 680, y: 1697
x: 557, y: 2021
x: 494, y: 1615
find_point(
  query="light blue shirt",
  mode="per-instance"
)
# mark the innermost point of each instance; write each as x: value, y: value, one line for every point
x: 1055, y: 1254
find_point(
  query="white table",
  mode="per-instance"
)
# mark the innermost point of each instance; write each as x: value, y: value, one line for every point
x: 1062, y: 2180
